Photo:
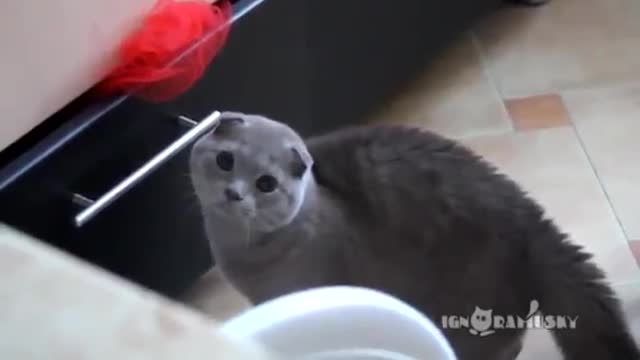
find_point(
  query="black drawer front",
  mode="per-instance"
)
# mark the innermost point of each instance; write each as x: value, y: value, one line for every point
x: 152, y: 235
x: 264, y: 68
x: 296, y: 61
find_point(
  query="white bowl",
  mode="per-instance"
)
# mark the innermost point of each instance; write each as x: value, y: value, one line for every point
x: 341, y: 323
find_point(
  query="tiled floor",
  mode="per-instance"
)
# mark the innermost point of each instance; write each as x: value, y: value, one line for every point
x: 215, y: 297
x: 552, y: 96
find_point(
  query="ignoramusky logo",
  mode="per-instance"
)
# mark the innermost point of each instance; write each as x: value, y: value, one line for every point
x: 485, y: 322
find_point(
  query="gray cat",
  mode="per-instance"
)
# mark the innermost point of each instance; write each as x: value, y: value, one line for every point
x: 403, y: 211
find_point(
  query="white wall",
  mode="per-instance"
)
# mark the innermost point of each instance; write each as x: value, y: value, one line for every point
x: 52, y: 51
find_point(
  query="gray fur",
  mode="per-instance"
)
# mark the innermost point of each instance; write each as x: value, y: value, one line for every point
x: 406, y: 212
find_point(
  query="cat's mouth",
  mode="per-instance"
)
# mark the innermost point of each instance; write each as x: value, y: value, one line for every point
x: 247, y: 212
x: 230, y: 209
x: 235, y: 209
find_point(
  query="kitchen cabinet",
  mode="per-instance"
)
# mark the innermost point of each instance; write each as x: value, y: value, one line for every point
x: 315, y: 65
x: 153, y: 234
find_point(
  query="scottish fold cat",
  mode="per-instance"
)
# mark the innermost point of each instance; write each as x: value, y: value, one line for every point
x: 406, y: 212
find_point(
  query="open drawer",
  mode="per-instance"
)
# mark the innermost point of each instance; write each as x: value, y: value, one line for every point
x: 153, y: 233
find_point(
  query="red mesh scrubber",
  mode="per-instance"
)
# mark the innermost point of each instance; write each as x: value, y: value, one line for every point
x: 171, y: 50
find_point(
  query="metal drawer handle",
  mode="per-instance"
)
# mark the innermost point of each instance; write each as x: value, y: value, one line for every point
x: 95, y: 207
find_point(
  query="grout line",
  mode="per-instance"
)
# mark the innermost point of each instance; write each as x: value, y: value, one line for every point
x: 484, y: 64
x: 568, y: 89
x: 595, y: 172
x: 602, y: 87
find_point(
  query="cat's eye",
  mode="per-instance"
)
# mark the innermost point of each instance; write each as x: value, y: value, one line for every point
x: 266, y: 183
x: 224, y: 160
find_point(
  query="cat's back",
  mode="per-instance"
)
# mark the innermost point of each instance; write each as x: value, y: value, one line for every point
x: 380, y: 166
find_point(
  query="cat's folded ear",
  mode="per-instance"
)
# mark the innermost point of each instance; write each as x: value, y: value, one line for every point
x: 302, y: 161
x: 228, y: 120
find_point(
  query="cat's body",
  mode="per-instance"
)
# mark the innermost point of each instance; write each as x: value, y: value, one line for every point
x: 416, y: 216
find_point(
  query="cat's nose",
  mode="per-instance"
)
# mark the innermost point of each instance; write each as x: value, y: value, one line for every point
x: 232, y: 195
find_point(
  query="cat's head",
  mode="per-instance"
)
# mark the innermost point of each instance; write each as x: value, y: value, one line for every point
x: 252, y: 169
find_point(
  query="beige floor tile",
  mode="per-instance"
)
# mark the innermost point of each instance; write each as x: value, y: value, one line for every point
x: 539, y: 343
x: 635, y: 250
x: 566, y: 44
x: 608, y: 122
x: 552, y: 166
x: 629, y: 294
x: 453, y: 97
x: 215, y: 297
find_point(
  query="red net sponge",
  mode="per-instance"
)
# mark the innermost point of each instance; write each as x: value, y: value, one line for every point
x: 171, y: 50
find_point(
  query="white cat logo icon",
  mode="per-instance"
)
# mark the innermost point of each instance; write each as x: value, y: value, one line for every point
x: 482, y: 320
